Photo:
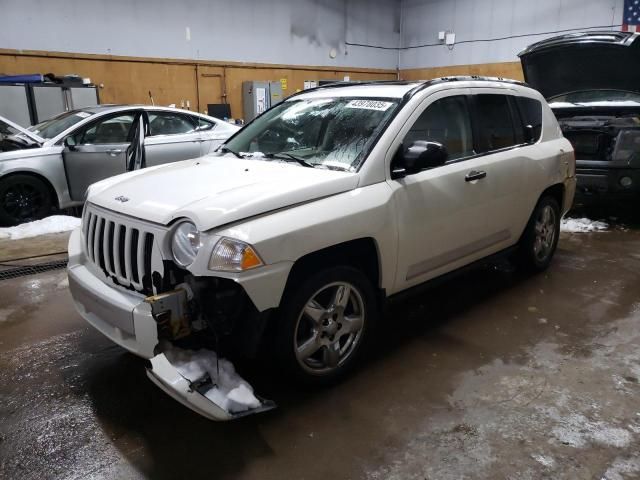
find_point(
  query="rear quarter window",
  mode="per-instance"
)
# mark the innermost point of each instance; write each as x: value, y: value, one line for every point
x: 531, y: 114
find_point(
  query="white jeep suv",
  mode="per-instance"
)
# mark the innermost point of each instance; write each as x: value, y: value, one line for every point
x: 299, y: 228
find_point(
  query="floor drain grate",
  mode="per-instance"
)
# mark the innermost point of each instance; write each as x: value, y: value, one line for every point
x: 25, y: 270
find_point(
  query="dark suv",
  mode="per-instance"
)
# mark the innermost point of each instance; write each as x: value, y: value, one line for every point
x: 592, y: 83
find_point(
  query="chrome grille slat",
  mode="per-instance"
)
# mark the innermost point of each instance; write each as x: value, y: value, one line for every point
x: 140, y: 258
x: 91, y: 232
x: 119, y: 248
x: 127, y: 255
x: 106, y: 246
x: 117, y: 241
x: 96, y: 240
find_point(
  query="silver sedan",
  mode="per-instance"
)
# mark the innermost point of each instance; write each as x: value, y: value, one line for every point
x: 50, y: 165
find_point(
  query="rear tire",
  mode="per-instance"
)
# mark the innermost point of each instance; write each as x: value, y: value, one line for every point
x: 326, y: 324
x: 23, y: 198
x: 540, y: 238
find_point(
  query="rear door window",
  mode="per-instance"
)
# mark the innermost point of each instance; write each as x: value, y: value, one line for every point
x: 531, y: 114
x: 495, y: 125
x: 169, y: 123
x: 445, y: 121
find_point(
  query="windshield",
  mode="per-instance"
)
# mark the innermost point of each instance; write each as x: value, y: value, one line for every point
x: 589, y: 96
x: 58, y: 124
x: 321, y: 132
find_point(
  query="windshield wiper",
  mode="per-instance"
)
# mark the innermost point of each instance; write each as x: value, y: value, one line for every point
x: 289, y: 157
x: 225, y: 149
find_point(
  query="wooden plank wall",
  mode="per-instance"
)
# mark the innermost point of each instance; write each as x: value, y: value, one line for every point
x: 505, y: 69
x: 129, y: 79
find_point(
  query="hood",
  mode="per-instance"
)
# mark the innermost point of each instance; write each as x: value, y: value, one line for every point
x: 216, y: 190
x: 24, y: 131
x: 583, y: 61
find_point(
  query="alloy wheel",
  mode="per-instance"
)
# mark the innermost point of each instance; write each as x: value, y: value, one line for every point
x: 329, y: 328
x: 545, y: 233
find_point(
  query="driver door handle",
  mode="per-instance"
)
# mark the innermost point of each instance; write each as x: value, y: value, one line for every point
x: 475, y: 175
x: 114, y: 151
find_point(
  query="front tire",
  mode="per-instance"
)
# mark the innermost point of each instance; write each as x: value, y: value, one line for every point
x: 326, y: 324
x: 23, y: 198
x: 540, y: 239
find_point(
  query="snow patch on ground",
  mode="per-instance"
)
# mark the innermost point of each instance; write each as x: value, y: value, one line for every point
x: 579, y: 225
x: 623, y: 469
x: 53, y: 224
x: 230, y: 391
x: 5, y: 313
x: 544, y: 460
x: 576, y: 430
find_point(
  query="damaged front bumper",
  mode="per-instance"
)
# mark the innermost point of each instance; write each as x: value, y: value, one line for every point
x: 192, y: 394
x: 132, y: 321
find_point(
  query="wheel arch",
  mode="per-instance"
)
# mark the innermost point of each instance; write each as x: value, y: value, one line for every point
x: 557, y: 192
x: 361, y: 253
x: 52, y: 191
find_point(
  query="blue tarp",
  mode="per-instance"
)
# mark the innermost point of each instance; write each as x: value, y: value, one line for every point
x: 26, y: 78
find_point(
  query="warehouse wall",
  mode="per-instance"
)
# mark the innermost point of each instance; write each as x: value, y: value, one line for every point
x: 297, y: 32
x: 129, y: 79
x: 198, y: 51
x: 489, y: 33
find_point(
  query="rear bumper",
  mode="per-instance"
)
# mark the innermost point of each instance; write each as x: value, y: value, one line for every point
x: 604, y: 184
x: 125, y: 318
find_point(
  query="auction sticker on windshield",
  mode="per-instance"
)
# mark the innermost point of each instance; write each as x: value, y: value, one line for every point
x: 369, y: 105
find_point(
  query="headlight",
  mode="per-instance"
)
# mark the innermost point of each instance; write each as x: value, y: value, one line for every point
x: 185, y: 244
x: 234, y: 256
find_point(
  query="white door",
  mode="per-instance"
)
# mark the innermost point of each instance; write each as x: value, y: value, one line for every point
x: 449, y: 216
x: 500, y: 137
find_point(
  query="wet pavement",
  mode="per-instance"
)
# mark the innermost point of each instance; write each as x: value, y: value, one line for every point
x: 492, y: 375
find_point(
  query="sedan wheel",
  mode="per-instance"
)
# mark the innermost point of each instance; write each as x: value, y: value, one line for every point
x: 23, y: 198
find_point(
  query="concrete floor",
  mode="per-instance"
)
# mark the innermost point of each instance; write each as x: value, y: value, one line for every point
x: 492, y: 375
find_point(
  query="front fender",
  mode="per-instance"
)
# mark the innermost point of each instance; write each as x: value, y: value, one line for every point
x: 283, y: 237
x: 47, y: 165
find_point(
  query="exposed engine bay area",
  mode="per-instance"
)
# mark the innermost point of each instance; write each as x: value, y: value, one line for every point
x: 200, y: 324
x: 603, y: 137
x: 208, y: 312
x: 9, y: 143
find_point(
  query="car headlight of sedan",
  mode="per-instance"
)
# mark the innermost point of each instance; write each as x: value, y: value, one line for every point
x: 230, y: 255
x: 185, y: 243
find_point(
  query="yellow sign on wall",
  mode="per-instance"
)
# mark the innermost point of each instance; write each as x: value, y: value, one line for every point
x: 283, y: 83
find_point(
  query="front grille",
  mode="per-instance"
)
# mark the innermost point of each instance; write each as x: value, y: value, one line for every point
x: 122, y: 251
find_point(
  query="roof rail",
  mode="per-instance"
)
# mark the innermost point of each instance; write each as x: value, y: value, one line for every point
x: 422, y: 84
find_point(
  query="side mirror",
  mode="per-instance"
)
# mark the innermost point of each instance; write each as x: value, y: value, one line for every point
x: 70, y: 143
x: 418, y: 156
x: 529, y: 134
